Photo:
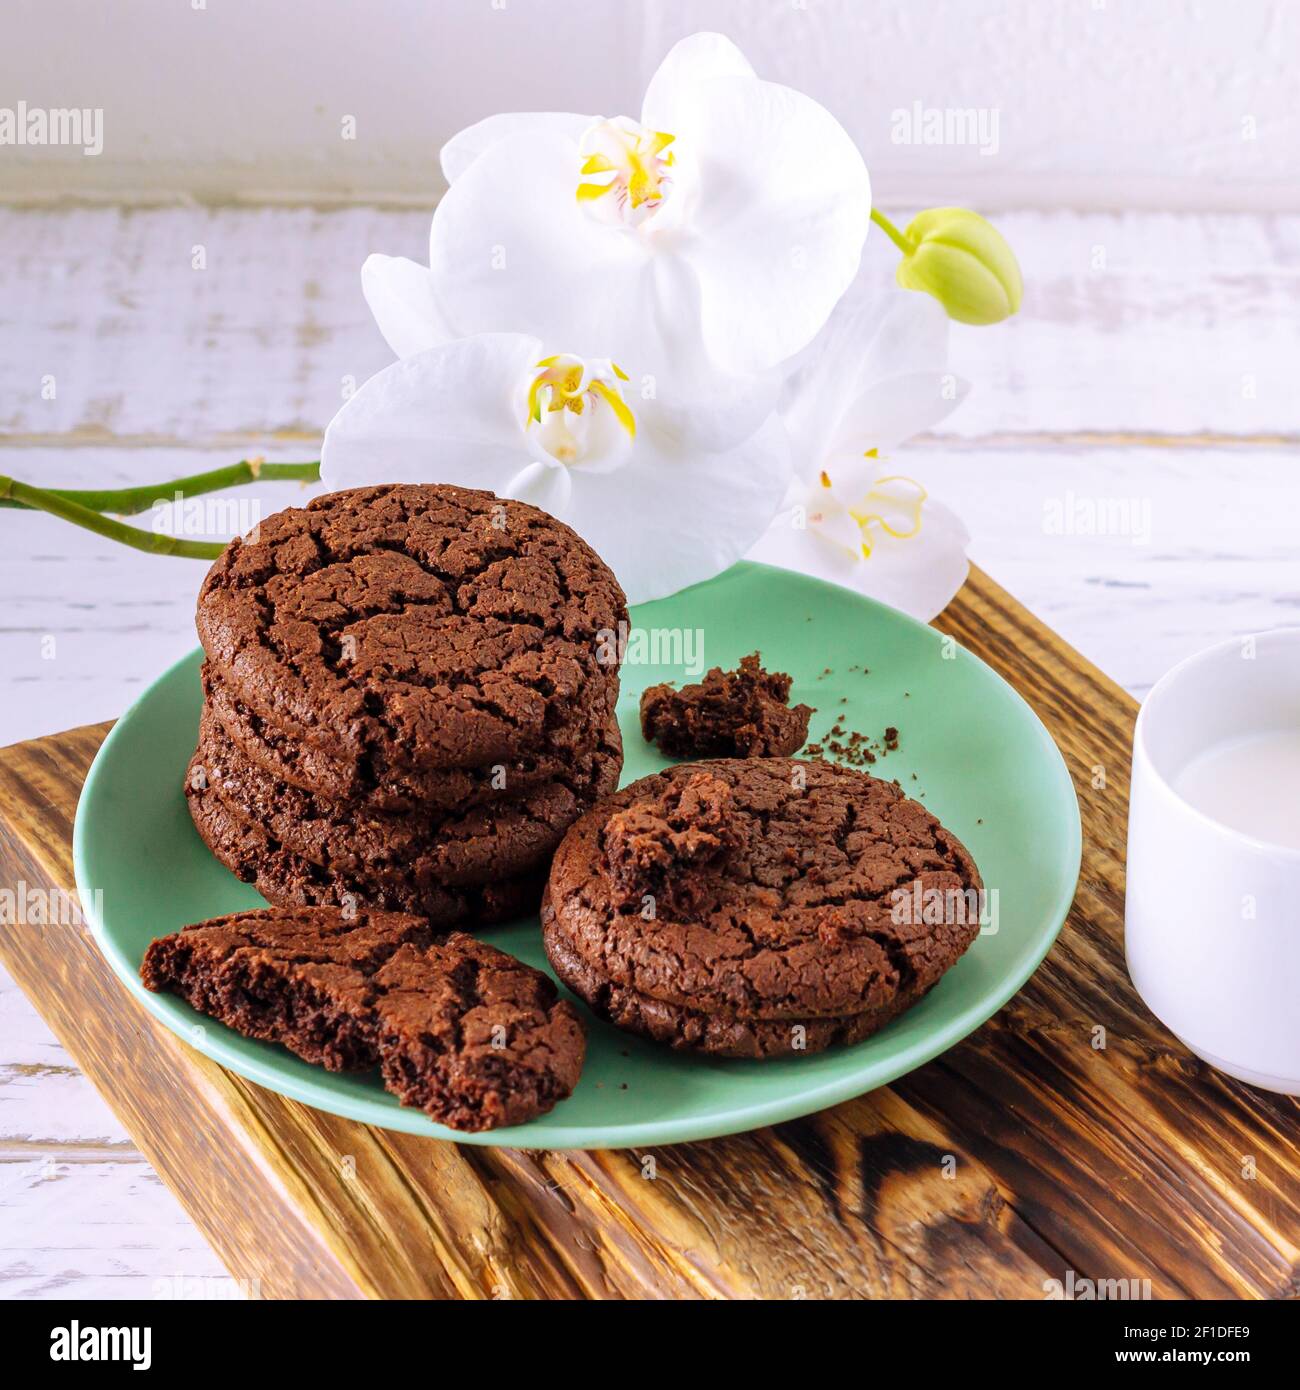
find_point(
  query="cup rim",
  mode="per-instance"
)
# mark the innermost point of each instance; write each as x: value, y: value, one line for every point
x: 1140, y: 744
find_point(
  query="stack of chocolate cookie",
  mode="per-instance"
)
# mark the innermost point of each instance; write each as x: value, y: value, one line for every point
x: 758, y: 907
x: 409, y: 695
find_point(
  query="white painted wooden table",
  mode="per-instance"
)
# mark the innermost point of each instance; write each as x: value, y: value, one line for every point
x: 1153, y: 366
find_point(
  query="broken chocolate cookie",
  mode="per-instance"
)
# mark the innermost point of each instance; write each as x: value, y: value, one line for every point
x: 470, y: 1035
x: 730, y: 714
x: 792, y: 899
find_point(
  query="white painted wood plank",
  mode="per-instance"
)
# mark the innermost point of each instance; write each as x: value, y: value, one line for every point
x: 98, y: 1225
x: 86, y: 622
x: 1132, y: 323
x: 138, y: 342
x: 1148, y: 324
x: 1137, y: 557
x: 45, y: 1101
x: 82, y: 1214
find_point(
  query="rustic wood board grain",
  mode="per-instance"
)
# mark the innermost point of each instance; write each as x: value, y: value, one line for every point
x: 1069, y: 1134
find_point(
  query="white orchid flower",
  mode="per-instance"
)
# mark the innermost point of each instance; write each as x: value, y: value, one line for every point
x: 853, y: 515
x: 706, y: 242
x: 501, y: 411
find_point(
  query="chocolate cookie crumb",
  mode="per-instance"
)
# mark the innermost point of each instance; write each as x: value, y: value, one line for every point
x: 730, y: 714
x: 852, y: 747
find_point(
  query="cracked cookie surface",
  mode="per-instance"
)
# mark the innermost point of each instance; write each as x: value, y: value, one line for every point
x: 414, y: 627
x: 510, y: 833
x: 465, y: 1032
x: 286, y: 878
x: 312, y: 769
x: 719, y: 1034
x: 808, y: 914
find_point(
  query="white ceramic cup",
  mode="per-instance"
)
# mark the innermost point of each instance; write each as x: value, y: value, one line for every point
x: 1212, y: 915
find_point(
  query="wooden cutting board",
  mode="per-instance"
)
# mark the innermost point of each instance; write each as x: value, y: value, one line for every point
x: 1069, y: 1139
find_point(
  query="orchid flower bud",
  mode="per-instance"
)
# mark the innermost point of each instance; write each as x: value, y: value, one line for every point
x: 964, y: 262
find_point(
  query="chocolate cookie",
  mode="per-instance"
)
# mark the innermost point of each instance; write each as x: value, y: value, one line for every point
x: 511, y: 834
x: 285, y: 878
x: 720, y: 1035
x: 414, y: 627
x: 297, y: 976
x: 468, y: 1034
x: 765, y: 889
x: 729, y: 714
x: 404, y: 789
x: 473, y: 1037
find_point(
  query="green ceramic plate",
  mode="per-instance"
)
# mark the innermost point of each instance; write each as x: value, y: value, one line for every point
x: 983, y: 762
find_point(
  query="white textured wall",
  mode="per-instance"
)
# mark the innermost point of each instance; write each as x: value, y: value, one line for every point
x: 1101, y: 103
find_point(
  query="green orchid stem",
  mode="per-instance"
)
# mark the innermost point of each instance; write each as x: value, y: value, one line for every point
x: 892, y: 232
x: 128, y: 501
x: 83, y: 507
x: 25, y: 495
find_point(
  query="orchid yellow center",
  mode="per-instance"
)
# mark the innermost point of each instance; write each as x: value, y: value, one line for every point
x: 892, y: 506
x: 627, y: 170
x: 572, y: 404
